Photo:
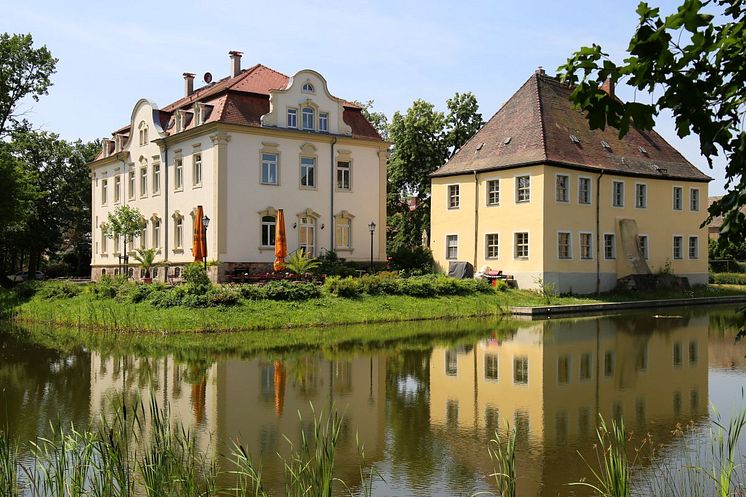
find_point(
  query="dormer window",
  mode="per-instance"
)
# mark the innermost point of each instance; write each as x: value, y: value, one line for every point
x: 308, y: 118
x: 308, y: 88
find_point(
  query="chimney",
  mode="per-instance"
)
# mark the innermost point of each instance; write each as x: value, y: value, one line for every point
x: 188, y: 84
x: 235, y: 63
x: 608, y: 87
x: 540, y: 70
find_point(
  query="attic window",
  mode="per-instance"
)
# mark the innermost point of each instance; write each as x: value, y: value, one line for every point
x: 605, y: 145
x: 507, y: 140
x: 479, y: 147
x: 642, y: 150
x: 661, y: 170
x: 574, y: 139
x: 307, y: 88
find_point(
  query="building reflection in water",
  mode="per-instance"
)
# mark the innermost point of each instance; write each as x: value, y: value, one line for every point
x: 551, y: 379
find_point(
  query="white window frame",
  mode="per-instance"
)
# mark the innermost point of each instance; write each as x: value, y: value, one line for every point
x: 614, y: 203
x: 178, y: 232
x: 344, y: 171
x: 680, y: 189
x: 566, y: 198
x: 681, y: 247
x: 589, y: 234
x: 692, y: 201
x: 117, y: 189
x: 343, y: 233
x: 523, y: 193
x: 449, y: 237
x: 496, y: 192
x: 454, y: 196
x: 308, y: 111
x: 307, y: 88
x: 646, y: 246
x: 104, y: 191
x: 268, y: 228
x: 156, y: 233
x: 178, y: 174
x: 131, y: 184
x: 197, y: 170
x: 516, y: 245
x: 143, y: 181
x: 488, y: 246
x: 309, y: 225
x: 528, y: 376
x: 292, y: 118
x: 582, y: 179
x: 694, y: 238
x: 569, y: 245
x: 156, y: 184
x: 267, y: 164
x: 613, y: 246
x: 495, y: 366
x: 644, y: 198
x: 324, y: 122
x: 308, y: 167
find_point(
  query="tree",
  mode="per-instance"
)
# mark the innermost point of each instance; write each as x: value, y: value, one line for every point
x: 126, y: 222
x: 697, y: 57
x: 377, y: 119
x: 24, y: 72
x: 463, y: 120
x: 146, y: 258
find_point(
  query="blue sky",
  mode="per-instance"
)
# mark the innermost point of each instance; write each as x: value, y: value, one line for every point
x: 392, y: 52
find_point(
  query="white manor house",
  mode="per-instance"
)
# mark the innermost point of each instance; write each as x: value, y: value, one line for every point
x: 243, y: 147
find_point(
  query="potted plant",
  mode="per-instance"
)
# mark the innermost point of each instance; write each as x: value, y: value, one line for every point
x: 146, y: 258
x: 301, y: 264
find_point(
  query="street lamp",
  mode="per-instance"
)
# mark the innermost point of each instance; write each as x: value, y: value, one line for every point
x: 372, y: 228
x: 206, y: 223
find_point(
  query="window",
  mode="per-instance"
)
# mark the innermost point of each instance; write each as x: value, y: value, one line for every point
x: 104, y: 240
x: 521, y: 245
x: 585, y: 366
x: 641, y: 196
x: 178, y: 173
x: 523, y: 189
x: 143, y: 182
x: 268, y: 231
x: 292, y: 118
x: 156, y: 178
x: 584, y: 191
x: 563, y: 245
x: 642, y: 359
x: 308, y: 118
x: 452, y: 414
x: 490, y: 367
x: 563, y: 369
x: 156, y: 233
x: 178, y: 232
x: 307, y: 172
x: 143, y: 134
x: 197, y: 169
x: 117, y: 188
x: 451, y: 362
x: 520, y: 370
x: 678, y: 192
x: 493, y: 192
x: 104, y: 193
x: 493, y: 246
x: 142, y: 237
x: 642, y: 242
x: 677, y: 353
x: 609, y: 246
x: 694, y: 199
x: 693, y: 353
x: 131, y: 185
x: 307, y: 235
x: 678, y: 241
x: 342, y: 236
x: 323, y: 122
x: 307, y: 88
x: 451, y: 246
x: 269, y: 169
x: 694, y: 247
x: 453, y: 196
x: 343, y: 175
x: 563, y: 188
x: 586, y: 246
x: 116, y: 244
x: 617, y: 192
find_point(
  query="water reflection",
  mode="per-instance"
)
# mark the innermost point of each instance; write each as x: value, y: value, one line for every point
x: 424, y: 412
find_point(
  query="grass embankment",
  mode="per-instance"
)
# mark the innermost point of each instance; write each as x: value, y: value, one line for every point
x: 92, y: 311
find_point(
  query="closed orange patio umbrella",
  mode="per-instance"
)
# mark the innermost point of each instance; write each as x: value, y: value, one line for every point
x: 199, y: 244
x: 279, y: 380
x: 281, y: 242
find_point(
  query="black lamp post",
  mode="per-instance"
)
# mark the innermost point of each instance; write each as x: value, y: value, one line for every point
x: 372, y: 228
x: 206, y: 223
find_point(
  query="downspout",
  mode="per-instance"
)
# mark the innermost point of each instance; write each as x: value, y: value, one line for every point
x: 598, y: 234
x: 476, y: 217
x: 332, y: 228
x: 165, y: 206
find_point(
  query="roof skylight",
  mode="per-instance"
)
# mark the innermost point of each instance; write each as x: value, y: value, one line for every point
x: 574, y: 139
x: 605, y: 145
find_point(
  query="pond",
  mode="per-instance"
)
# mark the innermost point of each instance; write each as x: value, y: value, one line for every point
x: 423, y: 409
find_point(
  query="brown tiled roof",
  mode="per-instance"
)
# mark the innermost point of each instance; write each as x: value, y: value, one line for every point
x: 539, y: 125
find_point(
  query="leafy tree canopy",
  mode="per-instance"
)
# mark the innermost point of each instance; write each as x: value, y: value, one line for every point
x: 697, y: 57
x: 125, y: 221
x: 377, y: 119
x: 25, y: 71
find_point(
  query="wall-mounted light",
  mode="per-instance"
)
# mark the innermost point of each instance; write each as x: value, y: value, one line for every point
x: 295, y: 225
x: 322, y: 226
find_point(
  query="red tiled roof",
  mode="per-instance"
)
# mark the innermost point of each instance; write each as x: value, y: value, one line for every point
x: 535, y: 126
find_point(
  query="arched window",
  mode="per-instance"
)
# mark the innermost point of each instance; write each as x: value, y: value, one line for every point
x: 308, y: 118
x: 156, y: 232
x: 307, y: 235
x: 343, y: 231
x: 307, y: 88
x: 178, y: 231
x: 268, y: 231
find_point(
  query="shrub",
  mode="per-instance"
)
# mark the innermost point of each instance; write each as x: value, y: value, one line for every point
x: 252, y: 292
x: 194, y: 301
x: 331, y: 264
x: 167, y: 297
x: 138, y: 292
x: 222, y: 296
x: 287, y: 290
x: 57, y: 270
x: 62, y: 290
x: 412, y: 258
x: 344, y: 287
x: 108, y: 286
x: 501, y: 286
x: 388, y: 284
x: 195, y: 275
x: 26, y: 290
x: 728, y: 278
x: 419, y: 286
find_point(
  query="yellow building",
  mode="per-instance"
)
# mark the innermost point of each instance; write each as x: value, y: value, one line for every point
x: 538, y: 195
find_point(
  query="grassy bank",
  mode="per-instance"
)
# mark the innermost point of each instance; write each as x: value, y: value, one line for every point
x: 92, y: 311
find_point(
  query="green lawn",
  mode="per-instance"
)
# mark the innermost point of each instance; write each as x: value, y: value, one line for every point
x: 87, y: 311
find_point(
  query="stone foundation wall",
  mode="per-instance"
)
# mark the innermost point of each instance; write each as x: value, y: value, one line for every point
x: 216, y: 273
